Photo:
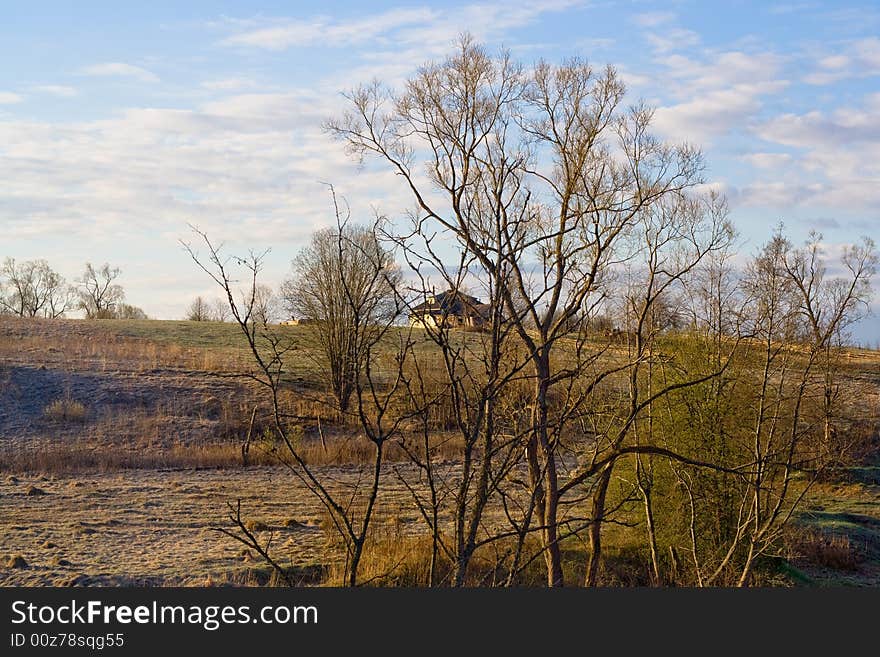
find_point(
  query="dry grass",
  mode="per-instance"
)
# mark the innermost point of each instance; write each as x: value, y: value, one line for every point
x: 400, y: 551
x: 101, y: 454
x: 65, y: 410
x: 824, y: 549
x: 106, y: 353
x: 355, y: 449
x: 83, y: 457
x: 198, y: 425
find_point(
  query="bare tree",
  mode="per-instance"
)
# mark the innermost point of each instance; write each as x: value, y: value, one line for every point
x: 538, y: 177
x: 127, y: 311
x: 344, y: 283
x: 34, y: 289
x: 198, y: 311
x: 829, y: 305
x: 265, y: 304
x: 770, y: 419
x: 351, y: 511
x: 218, y: 310
x: 99, y: 295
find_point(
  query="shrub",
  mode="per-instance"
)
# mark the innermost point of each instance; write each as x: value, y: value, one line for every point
x: 65, y: 410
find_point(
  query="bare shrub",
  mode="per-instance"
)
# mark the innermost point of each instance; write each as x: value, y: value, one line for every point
x: 825, y: 549
x: 65, y: 410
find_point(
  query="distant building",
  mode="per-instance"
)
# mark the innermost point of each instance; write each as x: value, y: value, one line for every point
x: 296, y: 322
x: 450, y: 309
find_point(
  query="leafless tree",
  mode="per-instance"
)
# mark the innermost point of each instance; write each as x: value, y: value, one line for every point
x: 542, y: 175
x: 351, y: 511
x: 344, y: 283
x: 127, y: 311
x: 771, y: 417
x: 218, y: 310
x: 198, y: 311
x: 265, y: 304
x: 34, y: 289
x: 99, y: 295
x: 829, y: 305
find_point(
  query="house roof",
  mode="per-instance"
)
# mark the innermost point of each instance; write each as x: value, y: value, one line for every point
x: 451, y: 302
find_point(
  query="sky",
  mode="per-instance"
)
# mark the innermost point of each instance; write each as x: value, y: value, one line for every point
x: 121, y: 123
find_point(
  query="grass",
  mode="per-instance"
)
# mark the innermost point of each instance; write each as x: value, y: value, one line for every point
x: 88, y: 455
x: 193, y: 335
x: 835, y: 551
x: 84, y: 457
x: 65, y: 410
x: 835, y: 539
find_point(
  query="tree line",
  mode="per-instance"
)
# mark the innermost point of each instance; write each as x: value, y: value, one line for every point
x: 697, y: 429
x: 31, y: 288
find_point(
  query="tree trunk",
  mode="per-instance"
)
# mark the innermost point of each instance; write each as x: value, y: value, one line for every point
x: 542, y: 464
x: 652, y: 536
x: 595, y: 528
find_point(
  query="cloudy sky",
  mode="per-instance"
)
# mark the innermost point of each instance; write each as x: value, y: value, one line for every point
x: 122, y: 122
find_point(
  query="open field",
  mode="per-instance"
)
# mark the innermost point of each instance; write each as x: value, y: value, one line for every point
x: 120, y: 452
x: 154, y: 527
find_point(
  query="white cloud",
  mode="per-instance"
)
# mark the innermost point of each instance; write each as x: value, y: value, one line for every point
x: 718, y: 70
x: 719, y: 93
x: 777, y: 193
x: 325, y: 31
x: 597, y: 43
x: 663, y: 34
x: 769, y: 161
x: 654, y: 18
x: 792, y: 8
x: 61, y: 91
x: 424, y: 28
x: 9, y: 98
x: 834, y: 62
x: 675, y: 38
x: 243, y: 165
x: 840, y: 150
x: 230, y: 84
x: 855, y: 59
x: 713, y: 113
x: 120, y: 69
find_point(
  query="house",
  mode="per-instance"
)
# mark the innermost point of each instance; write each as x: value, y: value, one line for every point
x: 450, y: 309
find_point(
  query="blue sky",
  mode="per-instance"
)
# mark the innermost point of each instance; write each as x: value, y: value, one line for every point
x: 121, y: 122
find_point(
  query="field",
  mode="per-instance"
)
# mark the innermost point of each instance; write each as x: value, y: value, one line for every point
x: 120, y: 447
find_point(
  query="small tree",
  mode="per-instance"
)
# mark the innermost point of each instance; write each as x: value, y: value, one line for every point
x: 216, y: 310
x: 352, y: 511
x: 99, y: 296
x: 198, y: 311
x: 126, y: 311
x: 265, y: 304
x: 344, y: 282
x: 219, y: 311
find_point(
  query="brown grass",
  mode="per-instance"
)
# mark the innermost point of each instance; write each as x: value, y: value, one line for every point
x: 825, y: 549
x: 356, y: 449
x: 97, y: 455
x: 83, y: 457
x: 65, y: 410
x: 399, y: 553
x: 107, y: 353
